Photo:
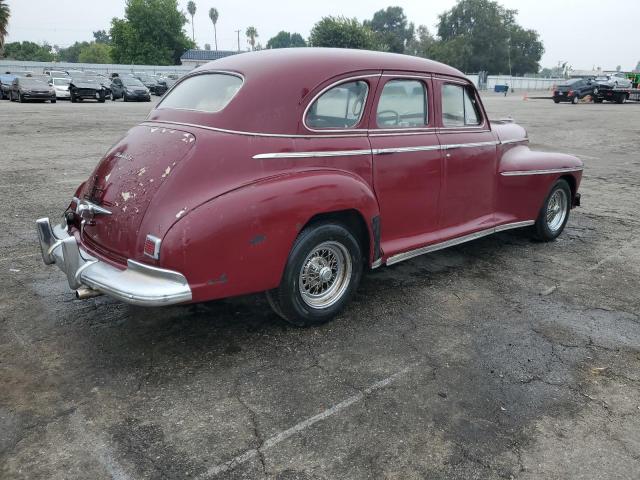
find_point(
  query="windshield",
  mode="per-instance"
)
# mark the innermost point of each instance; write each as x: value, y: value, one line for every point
x: 603, y: 79
x: 131, y: 82
x: 61, y: 81
x: 209, y: 92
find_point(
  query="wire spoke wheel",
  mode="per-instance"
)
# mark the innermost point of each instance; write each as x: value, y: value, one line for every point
x: 556, y: 210
x: 325, y: 274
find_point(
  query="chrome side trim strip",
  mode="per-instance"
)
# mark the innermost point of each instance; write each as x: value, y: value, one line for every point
x: 468, y: 145
x: 375, y: 151
x: 376, y: 264
x: 515, y: 140
x: 456, y: 241
x: 333, y: 153
x: 427, y: 148
x: 252, y: 134
x: 517, y: 173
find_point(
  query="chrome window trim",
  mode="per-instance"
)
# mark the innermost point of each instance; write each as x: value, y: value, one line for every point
x: 195, y: 74
x: 329, y: 87
x: 401, y: 133
x: 251, y: 134
x: 400, y: 257
x: 404, y: 78
x: 454, y: 80
x: 464, y: 128
x: 517, y: 173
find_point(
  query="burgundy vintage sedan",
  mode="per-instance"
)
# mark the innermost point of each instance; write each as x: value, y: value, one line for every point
x: 290, y: 171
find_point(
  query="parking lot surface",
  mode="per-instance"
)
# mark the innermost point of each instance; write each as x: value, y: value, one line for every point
x: 500, y: 358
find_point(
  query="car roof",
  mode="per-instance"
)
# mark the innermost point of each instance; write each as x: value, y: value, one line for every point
x: 329, y: 61
x: 278, y: 82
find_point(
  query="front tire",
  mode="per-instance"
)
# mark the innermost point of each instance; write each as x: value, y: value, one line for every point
x: 575, y: 100
x: 554, y: 213
x: 323, y: 271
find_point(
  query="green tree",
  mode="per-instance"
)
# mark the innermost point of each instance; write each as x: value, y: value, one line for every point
x: 252, y: 34
x: 5, y: 13
x: 525, y: 49
x: 95, y: 53
x: 191, y: 8
x: 152, y: 32
x: 72, y: 52
x: 28, y: 51
x: 102, y: 36
x: 213, y: 15
x: 391, y: 29
x: 286, y: 40
x: 476, y: 35
x: 341, y: 32
x: 421, y: 44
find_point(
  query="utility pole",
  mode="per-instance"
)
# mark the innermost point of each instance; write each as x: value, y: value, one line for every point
x: 238, y: 32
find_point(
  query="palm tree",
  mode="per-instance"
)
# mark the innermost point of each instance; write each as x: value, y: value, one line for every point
x: 5, y: 13
x: 251, y: 34
x: 213, y: 15
x: 191, y: 8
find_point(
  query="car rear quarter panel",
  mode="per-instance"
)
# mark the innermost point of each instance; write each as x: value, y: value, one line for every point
x: 239, y: 242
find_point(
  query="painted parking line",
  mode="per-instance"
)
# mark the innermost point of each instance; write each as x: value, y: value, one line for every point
x: 303, y: 425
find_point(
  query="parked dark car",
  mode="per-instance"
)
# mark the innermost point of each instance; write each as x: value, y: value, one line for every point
x: 574, y: 90
x: 152, y: 84
x: 5, y: 85
x: 30, y: 88
x: 83, y: 86
x: 129, y: 89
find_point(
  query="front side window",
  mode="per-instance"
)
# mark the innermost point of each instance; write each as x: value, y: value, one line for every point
x: 340, y: 107
x: 209, y: 92
x: 402, y: 104
x: 459, y: 108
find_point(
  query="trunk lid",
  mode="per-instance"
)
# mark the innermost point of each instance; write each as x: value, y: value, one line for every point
x: 126, y: 181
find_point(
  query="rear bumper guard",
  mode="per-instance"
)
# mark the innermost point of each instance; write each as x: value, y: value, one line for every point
x: 138, y: 284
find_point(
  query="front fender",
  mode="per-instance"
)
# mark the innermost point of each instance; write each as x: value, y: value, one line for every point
x: 239, y: 242
x: 525, y: 178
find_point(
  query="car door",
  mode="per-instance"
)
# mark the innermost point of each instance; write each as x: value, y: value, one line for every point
x: 470, y: 159
x: 407, y: 162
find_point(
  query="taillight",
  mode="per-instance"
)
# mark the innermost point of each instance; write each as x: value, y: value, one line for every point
x: 570, y: 93
x: 152, y: 247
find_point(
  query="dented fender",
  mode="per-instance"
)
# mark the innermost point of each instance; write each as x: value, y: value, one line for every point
x: 239, y: 242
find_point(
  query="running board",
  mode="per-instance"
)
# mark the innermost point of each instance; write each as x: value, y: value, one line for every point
x: 401, y: 257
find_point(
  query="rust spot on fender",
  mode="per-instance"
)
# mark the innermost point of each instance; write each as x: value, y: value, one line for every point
x: 221, y: 280
x: 258, y: 239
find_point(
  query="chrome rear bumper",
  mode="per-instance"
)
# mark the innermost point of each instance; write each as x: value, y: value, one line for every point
x: 138, y: 284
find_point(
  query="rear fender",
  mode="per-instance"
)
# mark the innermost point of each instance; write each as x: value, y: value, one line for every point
x: 239, y: 242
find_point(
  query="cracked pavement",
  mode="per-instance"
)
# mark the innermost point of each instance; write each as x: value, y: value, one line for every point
x: 498, y: 359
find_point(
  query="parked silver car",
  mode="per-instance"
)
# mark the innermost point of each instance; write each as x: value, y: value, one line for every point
x: 614, y: 80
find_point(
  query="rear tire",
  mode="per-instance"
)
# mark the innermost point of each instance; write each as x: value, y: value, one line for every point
x: 575, y: 100
x: 322, y: 273
x: 554, y: 213
x: 555, y: 100
x: 53, y: 101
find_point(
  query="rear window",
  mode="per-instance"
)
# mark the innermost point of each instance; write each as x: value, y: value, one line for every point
x: 209, y: 92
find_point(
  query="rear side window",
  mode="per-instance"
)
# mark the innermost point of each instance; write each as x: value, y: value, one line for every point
x: 209, y: 92
x: 340, y: 107
x: 402, y: 104
x: 459, y: 108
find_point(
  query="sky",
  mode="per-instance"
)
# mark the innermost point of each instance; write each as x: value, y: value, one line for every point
x: 580, y: 32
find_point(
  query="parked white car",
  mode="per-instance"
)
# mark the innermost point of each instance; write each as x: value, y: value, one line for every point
x: 61, y: 86
x: 614, y: 80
